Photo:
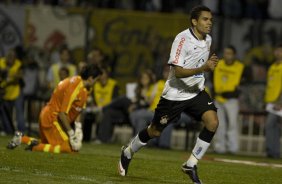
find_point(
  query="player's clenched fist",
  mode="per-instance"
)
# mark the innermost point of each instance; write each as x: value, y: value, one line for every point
x: 211, y: 63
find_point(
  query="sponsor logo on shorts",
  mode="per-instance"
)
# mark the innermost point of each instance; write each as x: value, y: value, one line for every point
x: 209, y: 103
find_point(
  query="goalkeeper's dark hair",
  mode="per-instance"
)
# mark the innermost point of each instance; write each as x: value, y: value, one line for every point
x: 90, y: 70
x: 196, y: 12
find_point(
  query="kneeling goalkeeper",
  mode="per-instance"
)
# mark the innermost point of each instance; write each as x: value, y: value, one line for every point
x: 60, y: 114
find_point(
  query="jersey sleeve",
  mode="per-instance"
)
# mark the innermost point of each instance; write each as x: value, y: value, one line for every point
x: 178, y: 51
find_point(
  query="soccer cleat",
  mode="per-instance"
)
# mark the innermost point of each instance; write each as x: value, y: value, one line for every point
x: 33, y: 143
x: 16, y: 140
x: 123, y: 162
x: 192, y: 173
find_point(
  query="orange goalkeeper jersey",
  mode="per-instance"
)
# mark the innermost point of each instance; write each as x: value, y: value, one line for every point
x: 70, y: 97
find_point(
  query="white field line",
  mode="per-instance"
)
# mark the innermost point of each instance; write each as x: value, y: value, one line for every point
x: 246, y: 162
x: 48, y: 174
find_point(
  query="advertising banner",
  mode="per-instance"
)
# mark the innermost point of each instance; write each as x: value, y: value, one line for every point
x: 50, y: 27
x: 12, y: 22
x: 137, y: 40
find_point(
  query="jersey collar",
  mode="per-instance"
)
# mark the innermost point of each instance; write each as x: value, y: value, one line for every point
x: 194, y: 35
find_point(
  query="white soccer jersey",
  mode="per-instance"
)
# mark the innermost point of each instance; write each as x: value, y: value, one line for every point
x: 188, y: 52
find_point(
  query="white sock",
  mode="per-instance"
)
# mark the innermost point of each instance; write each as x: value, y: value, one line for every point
x: 133, y: 147
x: 192, y: 161
x: 128, y: 152
x: 198, y: 152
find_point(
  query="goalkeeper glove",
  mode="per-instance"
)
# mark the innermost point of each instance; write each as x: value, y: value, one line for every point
x: 78, y: 130
x: 74, y: 142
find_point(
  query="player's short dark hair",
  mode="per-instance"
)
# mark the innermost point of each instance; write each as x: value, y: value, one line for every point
x: 90, y: 70
x: 196, y: 12
x: 232, y: 48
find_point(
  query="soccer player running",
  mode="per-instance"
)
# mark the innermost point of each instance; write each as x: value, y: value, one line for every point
x: 184, y: 92
x: 60, y: 114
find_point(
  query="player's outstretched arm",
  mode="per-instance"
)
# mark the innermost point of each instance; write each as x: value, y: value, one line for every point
x: 75, y: 139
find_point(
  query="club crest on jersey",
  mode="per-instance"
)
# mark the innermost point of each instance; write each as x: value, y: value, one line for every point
x: 164, y: 120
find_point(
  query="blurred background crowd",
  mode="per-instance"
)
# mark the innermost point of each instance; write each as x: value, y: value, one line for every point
x: 45, y: 41
x: 258, y: 9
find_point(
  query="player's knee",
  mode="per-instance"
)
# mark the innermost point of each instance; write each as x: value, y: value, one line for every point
x: 210, y: 120
x: 215, y: 124
x: 212, y: 125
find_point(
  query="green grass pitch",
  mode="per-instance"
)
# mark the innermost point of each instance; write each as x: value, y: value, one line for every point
x: 97, y: 164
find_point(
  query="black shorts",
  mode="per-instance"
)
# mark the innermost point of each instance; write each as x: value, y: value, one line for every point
x: 169, y: 111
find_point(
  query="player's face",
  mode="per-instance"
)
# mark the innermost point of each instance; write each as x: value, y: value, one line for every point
x: 65, y: 56
x: 103, y: 78
x: 228, y: 55
x: 96, y: 57
x: 278, y: 54
x: 63, y: 74
x: 11, y: 56
x: 145, y: 79
x: 204, y: 23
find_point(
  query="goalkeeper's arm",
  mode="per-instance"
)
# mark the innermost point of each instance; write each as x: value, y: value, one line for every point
x: 64, y: 121
x: 74, y: 139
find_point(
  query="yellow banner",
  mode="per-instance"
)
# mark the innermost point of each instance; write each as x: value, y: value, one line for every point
x: 134, y: 37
